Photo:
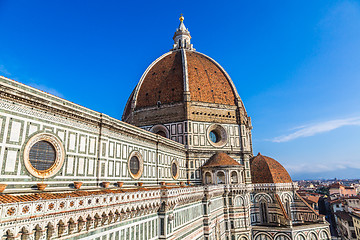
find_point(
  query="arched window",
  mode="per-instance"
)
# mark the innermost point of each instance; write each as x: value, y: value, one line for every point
x: 262, y: 237
x: 160, y: 130
x: 312, y: 236
x: 282, y: 237
x: 263, y: 212
x: 220, y: 178
x: 179, y: 42
x: 208, y: 178
x: 324, y: 235
x: 234, y: 177
x: 300, y: 237
x: 287, y: 208
x: 161, y: 133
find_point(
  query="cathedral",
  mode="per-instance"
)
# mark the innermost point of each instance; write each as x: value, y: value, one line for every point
x: 179, y: 165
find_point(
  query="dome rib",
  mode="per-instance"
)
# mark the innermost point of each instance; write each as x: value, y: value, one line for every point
x: 163, y: 82
x: 230, y: 81
x: 179, y: 76
x: 138, y: 86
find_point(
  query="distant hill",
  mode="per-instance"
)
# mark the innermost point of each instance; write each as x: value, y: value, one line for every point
x: 346, y: 173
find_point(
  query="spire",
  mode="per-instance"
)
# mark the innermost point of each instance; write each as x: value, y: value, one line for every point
x: 182, y: 36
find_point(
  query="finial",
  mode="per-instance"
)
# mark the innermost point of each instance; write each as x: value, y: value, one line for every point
x: 181, y: 18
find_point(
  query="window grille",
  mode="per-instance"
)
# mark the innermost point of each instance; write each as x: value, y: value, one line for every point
x: 174, y: 169
x: 134, y: 165
x: 42, y: 155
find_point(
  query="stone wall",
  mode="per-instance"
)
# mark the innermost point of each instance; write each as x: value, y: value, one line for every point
x: 97, y: 147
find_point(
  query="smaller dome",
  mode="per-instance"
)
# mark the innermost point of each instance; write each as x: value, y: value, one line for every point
x: 267, y: 170
x: 221, y: 159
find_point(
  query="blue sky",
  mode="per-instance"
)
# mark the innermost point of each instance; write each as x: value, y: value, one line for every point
x: 296, y: 64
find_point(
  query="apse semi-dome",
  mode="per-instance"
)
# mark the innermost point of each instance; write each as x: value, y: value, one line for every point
x: 267, y: 170
x: 221, y: 159
x: 181, y: 76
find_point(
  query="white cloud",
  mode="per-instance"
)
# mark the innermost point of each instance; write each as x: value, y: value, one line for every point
x: 313, y: 129
x: 321, y: 167
x: 46, y: 89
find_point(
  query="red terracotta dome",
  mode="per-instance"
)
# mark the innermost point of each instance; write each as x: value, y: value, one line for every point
x: 181, y: 76
x: 164, y: 81
x: 267, y: 170
x: 221, y: 159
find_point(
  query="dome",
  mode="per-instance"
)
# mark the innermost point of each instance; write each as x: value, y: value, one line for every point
x: 163, y: 82
x: 267, y: 170
x: 181, y: 76
x: 221, y: 159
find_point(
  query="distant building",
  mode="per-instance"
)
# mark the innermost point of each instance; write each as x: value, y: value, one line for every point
x: 352, y: 203
x: 311, y: 198
x: 337, y: 205
x: 356, y: 220
x: 345, y: 225
x: 337, y: 189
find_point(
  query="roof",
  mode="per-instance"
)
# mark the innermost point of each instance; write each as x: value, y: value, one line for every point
x: 336, y: 185
x: 168, y: 77
x: 336, y: 201
x: 351, y: 197
x: 311, y: 199
x: 306, y: 193
x: 12, y: 198
x: 207, y: 82
x: 344, y: 215
x: 163, y: 82
x: 267, y: 170
x: 221, y: 159
x: 356, y: 214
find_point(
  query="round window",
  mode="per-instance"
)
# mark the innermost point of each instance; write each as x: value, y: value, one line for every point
x: 134, y: 165
x: 217, y: 135
x: 214, y: 136
x: 42, y: 155
x: 160, y: 130
x: 161, y: 133
x: 174, y: 170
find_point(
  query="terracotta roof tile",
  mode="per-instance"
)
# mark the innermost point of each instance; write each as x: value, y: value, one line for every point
x: 13, y: 198
x: 207, y: 82
x: 336, y: 185
x: 267, y: 170
x: 311, y: 199
x: 164, y: 82
x: 221, y: 159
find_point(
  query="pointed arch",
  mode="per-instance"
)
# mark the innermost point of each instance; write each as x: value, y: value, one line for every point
x: 259, y: 196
